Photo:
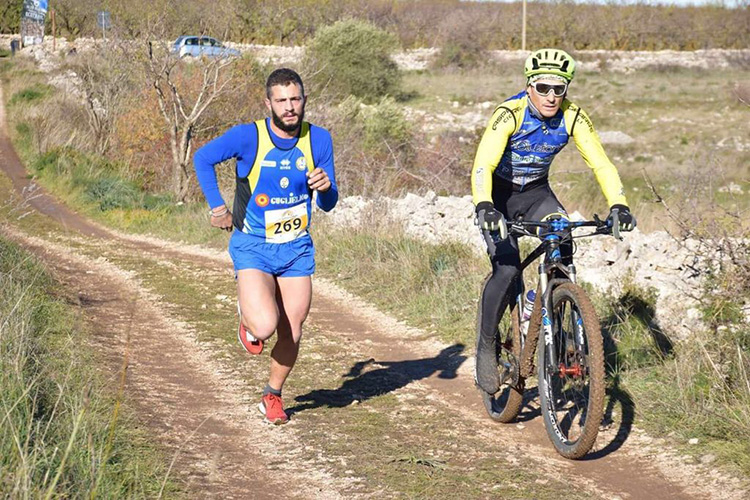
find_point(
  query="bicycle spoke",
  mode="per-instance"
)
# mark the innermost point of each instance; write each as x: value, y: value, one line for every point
x: 505, y: 405
x: 567, y: 389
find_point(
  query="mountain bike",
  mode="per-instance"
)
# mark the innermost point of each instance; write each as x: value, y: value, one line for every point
x: 570, y: 362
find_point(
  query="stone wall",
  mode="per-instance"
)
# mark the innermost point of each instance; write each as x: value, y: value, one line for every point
x: 654, y: 260
x: 589, y: 60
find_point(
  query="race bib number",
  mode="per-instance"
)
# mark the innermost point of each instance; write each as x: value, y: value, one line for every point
x: 286, y: 224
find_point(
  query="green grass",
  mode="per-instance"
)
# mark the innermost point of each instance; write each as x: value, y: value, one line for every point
x: 100, y: 189
x: 31, y: 94
x: 629, y: 323
x: 693, y: 389
x: 434, y: 287
x: 64, y: 432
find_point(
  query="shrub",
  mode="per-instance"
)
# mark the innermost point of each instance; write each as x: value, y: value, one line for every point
x: 462, y: 47
x: 457, y: 54
x: 377, y: 147
x: 112, y: 192
x: 385, y: 123
x: 352, y: 57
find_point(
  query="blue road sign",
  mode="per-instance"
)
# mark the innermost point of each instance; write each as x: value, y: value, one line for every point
x: 103, y: 19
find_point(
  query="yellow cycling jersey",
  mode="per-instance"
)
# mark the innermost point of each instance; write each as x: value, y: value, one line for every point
x: 518, y: 147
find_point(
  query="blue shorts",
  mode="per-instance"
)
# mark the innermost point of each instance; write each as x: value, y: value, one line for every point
x: 291, y: 259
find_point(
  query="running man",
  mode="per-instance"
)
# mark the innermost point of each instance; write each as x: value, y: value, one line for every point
x: 281, y: 162
x: 510, y: 178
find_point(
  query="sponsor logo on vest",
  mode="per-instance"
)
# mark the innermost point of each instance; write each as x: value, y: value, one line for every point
x: 586, y: 120
x: 542, y: 147
x: 504, y: 116
x: 284, y: 183
x: 261, y: 200
x: 301, y: 163
x: 267, y: 163
x: 289, y: 200
x: 286, y: 164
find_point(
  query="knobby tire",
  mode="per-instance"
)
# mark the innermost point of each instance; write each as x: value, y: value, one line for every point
x: 506, y: 404
x: 572, y: 404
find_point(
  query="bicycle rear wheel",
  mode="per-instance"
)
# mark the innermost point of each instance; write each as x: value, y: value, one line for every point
x: 506, y: 404
x: 572, y: 393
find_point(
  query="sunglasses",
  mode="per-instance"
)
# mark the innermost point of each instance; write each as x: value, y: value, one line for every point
x: 544, y: 89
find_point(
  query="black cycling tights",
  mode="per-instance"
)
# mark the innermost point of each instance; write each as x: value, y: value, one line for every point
x: 534, y: 204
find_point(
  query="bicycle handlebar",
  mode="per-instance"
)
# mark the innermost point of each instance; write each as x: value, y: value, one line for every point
x: 561, y: 227
x: 521, y: 227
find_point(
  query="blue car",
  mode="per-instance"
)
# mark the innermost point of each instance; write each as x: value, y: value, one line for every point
x: 197, y: 46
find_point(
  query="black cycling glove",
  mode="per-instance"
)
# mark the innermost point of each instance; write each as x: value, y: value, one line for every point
x: 488, y: 217
x: 627, y: 220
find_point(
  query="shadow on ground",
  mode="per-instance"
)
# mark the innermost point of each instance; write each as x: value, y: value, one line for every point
x: 620, y: 410
x: 382, y: 377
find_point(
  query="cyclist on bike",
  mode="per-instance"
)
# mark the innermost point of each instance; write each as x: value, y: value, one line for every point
x: 510, y: 179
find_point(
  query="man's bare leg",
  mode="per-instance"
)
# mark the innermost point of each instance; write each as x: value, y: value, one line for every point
x: 256, y: 292
x: 293, y: 298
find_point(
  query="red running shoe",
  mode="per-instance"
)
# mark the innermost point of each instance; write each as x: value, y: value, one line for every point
x: 250, y: 343
x: 273, y: 408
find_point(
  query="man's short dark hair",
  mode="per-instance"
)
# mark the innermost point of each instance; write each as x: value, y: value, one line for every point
x: 283, y: 76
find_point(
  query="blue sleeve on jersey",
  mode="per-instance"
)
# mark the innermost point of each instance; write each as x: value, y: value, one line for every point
x: 322, y: 147
x: 237, y: 142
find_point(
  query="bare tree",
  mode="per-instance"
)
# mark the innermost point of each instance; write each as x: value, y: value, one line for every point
x: 105, y: 78
x: 185, y: 90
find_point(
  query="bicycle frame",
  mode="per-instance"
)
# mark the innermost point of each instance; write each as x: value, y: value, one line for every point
x: 555, y: 232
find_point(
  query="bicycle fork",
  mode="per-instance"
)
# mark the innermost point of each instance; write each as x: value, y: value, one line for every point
x: 553, y: 260
x: 547, y: 315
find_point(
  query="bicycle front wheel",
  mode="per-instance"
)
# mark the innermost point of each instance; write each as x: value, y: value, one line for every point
x: 572, y: 386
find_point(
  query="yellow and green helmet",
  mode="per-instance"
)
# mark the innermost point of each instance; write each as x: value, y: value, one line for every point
x: 550, y: 62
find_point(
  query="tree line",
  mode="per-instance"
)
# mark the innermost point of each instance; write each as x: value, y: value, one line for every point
x: 417, y: 23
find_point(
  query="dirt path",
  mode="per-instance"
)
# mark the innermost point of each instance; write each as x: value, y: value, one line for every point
x: 402, y: 391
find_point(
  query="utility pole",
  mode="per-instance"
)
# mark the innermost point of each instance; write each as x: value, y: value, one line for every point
x: 54, y: 30
x: 523, y: 27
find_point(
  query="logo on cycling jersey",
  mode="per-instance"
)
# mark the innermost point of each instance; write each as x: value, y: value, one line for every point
x: 284, y: 183
x: 286, y: 164
x: 585, y: 119
x: 525, y: 145
x: 301, y: 163
x: 261, y: 200
x: 504, y: 116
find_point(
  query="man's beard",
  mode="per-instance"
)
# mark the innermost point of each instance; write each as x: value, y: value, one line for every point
x: 288, y: 128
